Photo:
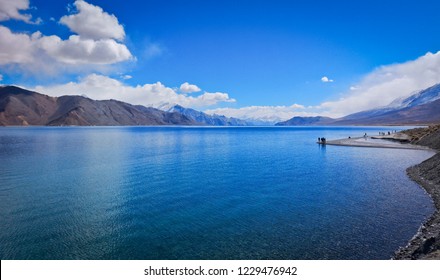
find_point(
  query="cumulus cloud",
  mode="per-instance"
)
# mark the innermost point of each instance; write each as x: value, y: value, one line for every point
x: 38, y: 53
x: 269, y: 114
x: 77, y: 50
x: 385, y: 84
x: 325, y: 79
x: 188, y: 88
x: 92, y: 22
x: 15, y: 47
x: 101, y: 87
x: 10, y: 9
x: 87, y: 50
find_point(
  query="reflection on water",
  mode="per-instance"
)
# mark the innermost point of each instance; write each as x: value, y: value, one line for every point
x: 203, y: 193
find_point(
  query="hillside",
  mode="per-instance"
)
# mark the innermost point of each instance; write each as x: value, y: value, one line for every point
x: 22, y: 107
x: 428, y: 113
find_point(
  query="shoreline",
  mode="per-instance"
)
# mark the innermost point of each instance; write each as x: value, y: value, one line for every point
x: 425, y: 244
x: 372, y: 142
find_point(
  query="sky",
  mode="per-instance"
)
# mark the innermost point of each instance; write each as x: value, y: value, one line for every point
x: 265, y: 60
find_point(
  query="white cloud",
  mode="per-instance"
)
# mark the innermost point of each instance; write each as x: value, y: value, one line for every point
x: 270, y: 114
x: 15, y: 47
x: 126, y: 77
x: 188, y: 88
x: 385, y: 84
x: 86, y: 51
x: 39, y: 53
x: 77, y: 50
x: 101, y: 87
x: 326, y: 80
x: 92, y: 22
x: 10, y: 9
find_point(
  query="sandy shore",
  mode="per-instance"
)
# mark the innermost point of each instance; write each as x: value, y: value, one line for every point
x: 373, y: 142
x: 426, y: 243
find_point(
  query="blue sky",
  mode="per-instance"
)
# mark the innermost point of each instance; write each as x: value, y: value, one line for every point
x: 250, y: 59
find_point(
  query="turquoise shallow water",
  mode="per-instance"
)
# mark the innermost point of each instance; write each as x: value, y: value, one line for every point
x: 203, y: 193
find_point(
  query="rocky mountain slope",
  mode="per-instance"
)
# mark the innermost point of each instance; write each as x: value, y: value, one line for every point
x: 22, y: 107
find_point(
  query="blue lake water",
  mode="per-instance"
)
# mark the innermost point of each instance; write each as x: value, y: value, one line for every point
x: 203, y: 193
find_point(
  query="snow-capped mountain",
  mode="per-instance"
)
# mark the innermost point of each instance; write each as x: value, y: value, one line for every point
x: 422, y: 107
x: 206, y: 119
x: 418, y: 98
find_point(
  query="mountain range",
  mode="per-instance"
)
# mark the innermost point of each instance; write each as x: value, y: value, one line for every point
x: 422, y: 107
x: 23, y: 107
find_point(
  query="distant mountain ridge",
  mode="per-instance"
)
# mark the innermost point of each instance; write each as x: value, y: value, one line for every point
x: 422, y: 107
x: 203, y: 118
x: 23, y: 107
x: 319, y: 120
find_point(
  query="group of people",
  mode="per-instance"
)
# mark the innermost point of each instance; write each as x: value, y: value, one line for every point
x: 389, y: 133
x: 322, y: 140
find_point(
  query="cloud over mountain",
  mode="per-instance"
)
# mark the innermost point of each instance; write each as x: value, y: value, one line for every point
x: 385, y: 84
x: 376, y: 89
x: 101, y: 87
x: 269, y: 114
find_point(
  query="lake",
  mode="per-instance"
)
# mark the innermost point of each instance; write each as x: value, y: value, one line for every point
x: 204, y: 193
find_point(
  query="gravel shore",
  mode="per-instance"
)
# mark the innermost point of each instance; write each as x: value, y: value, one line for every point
x: 426, y: 243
